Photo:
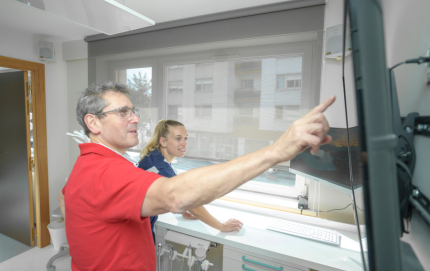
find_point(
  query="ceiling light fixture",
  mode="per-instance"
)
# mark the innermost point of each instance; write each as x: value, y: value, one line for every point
x: 106, y: 16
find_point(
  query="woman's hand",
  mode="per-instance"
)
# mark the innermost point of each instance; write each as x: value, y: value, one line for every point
x: 188, y: 215
x: 231, y: 225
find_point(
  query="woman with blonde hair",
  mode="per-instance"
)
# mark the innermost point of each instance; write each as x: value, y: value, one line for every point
x: 168, y: 142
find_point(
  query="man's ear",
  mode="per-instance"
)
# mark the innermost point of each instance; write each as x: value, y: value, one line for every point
x: 93, y: 123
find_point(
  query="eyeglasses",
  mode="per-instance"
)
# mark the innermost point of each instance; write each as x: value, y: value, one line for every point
x: 124, y: 112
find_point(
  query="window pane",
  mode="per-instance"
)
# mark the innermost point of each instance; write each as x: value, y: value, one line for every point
x: 280, y: 81
x: 139, y: 81
x: 231, y: 106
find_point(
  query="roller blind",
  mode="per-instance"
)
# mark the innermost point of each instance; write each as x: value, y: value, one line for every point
x: 235, y: 82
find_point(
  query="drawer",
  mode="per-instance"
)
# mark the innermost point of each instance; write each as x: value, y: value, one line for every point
x: 232, y: 265
x: 159, y: 231
x: 256, y: 260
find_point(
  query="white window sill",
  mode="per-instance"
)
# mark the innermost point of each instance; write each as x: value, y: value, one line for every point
x: 264, y: 198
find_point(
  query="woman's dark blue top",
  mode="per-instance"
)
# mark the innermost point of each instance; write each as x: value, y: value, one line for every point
x: 155, y: 162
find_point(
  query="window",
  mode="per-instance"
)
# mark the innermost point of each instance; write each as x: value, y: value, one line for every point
x: 175, y: 86
x: 287, y: 112
x: 245, y: 111
x: 285, y: 81
x: 203, y: 110
x: 204, y: 84
x: 174, y: 112
x: 247, y: 84
x: 248, y: 66
x: 173, y: 67
x: 139, y: 82
x: 228, y: 103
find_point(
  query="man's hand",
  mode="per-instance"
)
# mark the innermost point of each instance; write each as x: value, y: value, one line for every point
x: 188, y: 215
x: 309, y: 131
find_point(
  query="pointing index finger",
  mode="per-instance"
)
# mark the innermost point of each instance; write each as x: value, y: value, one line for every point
x: 324, y: 105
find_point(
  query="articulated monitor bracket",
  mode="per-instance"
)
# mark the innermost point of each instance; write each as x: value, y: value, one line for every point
x: 414, y: 124
x: 406, y: 128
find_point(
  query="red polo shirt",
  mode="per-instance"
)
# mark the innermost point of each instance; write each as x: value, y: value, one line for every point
x: 103, y: 198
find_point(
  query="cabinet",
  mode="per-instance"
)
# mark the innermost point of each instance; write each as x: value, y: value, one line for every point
x: 239, y: 260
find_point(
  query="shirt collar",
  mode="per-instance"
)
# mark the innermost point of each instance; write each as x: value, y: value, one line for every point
x: 126, y: 156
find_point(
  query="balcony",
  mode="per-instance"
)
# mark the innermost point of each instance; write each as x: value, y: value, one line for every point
x: 250, y: 96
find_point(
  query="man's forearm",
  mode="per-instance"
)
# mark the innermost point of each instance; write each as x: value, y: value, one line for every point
x: 202, y: 185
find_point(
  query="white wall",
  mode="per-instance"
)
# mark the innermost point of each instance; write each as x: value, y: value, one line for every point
x: 322, y: 197
x: 77, y: 82
x: 407, y: 35
x: 25, y: 46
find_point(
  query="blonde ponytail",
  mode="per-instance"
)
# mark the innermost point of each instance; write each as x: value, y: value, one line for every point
x: 161, y: 130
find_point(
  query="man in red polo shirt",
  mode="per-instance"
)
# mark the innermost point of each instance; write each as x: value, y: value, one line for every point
x: 109, y: 200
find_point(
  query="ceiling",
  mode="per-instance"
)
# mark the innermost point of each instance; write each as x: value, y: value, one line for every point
x: 15, y: 16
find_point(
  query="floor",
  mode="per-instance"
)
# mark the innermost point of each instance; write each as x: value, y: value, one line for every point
x: 10, y: 247
x: 36, y: 259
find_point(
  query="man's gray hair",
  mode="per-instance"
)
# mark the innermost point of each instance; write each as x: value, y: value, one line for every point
x: 92, y: 102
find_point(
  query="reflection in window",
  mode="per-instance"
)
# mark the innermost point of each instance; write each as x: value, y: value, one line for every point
x: 204, y: 84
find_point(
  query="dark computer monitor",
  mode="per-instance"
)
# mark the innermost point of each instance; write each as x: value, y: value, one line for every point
x: 377, y: 140
x: 330, y: 165
x: 373, y: 159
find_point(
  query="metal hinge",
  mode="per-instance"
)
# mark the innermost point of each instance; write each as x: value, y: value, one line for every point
x: 29, y: 107
x: 30, y: 163
x: 34, y: 234
x: 28, y: 93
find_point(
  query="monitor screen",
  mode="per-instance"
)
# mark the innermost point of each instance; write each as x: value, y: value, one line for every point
x: 330, y: 165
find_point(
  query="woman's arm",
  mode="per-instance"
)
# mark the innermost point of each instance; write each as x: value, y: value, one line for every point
x: 62, y: 205
x: 230, y: 225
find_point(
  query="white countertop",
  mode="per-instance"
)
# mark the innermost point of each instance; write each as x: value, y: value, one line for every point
x: 255, y: 238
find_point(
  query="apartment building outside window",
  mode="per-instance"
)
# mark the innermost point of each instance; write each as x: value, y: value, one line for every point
x: 204, y: 84
x: 203, y: 110
x: 174, y: 112
x: 287, y: 112
x: 288, y: 81
x: 247, y: 84
x: 175, y: 86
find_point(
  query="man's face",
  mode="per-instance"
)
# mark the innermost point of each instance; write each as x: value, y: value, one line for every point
x: 117, y: 132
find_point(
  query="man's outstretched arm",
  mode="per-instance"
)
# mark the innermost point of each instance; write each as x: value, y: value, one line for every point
x: 200, y: 186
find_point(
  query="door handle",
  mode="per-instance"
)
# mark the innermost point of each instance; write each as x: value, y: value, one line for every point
x: 262, y: 264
